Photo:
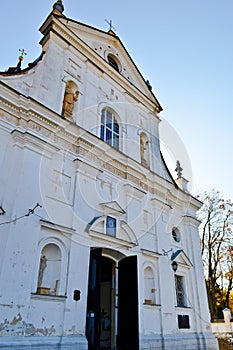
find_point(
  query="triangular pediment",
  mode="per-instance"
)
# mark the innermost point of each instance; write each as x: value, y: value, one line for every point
x: 104, y: 44
x: 181, y: 258
x: 112, y: 208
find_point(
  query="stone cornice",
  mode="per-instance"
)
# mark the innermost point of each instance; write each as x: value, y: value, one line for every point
x: 56, y: 227
x: 150, y: 253
x: 32, y: 118
x: 189, y: 219
x: 113, y: 241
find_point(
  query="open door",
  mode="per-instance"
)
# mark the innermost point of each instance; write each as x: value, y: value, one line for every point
x: 93, y: 301
x: 128, y: 304
x: 100, y: 321
x: 112, y: 311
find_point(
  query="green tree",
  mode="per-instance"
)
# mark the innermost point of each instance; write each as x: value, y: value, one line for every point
x: 216, y: 216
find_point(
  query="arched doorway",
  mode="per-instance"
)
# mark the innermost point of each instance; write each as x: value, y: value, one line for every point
x: 112, y: 305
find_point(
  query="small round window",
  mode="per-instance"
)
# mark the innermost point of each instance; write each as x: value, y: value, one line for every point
x: 113, y: 62
x: 176, y: 234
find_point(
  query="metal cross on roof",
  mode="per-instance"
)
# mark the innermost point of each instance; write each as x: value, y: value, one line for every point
x: 22, y: 53
x: 110, y: 25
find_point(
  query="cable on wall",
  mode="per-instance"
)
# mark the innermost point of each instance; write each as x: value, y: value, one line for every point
x: 30, y: 211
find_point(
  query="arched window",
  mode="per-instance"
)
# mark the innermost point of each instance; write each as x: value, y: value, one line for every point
x: 149, y: 286
x: 180, y: 291
x: 109, y: 130
x: 113, y: 62
x: 70, y: 97
x: 49, y: 270
x: 144, y: 149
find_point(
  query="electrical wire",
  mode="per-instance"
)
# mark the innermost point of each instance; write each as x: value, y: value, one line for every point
x: 30, y: 211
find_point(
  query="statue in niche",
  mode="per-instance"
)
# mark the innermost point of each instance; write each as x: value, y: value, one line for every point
x: 43, y: 265
x: 71, y: 96
x: 144, y: 150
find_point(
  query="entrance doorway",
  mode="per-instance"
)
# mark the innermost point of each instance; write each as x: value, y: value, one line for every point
x: 112, y: 305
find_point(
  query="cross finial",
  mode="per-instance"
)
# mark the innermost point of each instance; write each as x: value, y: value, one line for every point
x: 110, y: 26
x: 21, y: 58
x: 22, y: 53
x: 178, y: 169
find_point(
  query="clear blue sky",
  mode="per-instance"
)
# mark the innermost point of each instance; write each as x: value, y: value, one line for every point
x: 183, y: 47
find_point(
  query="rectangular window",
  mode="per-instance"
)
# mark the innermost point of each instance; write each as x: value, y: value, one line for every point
x: 180, y: 293
x: 109, y: 129
x: 111, y: 226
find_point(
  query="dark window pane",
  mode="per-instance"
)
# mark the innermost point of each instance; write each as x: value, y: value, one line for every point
x: 179, y: 291
x: 176, y: 234
x: 109, y: 136
x: 116, y: 127
x: 102, y: 132
x: 109, y: 120
x: 103, y: 117
x: 113, y: 63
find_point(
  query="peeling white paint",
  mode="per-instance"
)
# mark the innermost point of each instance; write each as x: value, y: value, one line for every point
x: 17, y: 326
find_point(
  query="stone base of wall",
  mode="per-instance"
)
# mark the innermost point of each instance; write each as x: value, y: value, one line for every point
x: 181, y: 341
x: 42, y: 343
x: 222, y: 329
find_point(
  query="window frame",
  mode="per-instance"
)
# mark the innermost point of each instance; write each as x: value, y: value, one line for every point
x: 110, y: 128
x: 114, y: 62
x: 183, y: 321
x: 176, y: 235
x: 180, y: 291
x: 110, y: 231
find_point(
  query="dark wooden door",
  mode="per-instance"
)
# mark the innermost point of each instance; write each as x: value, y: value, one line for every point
x: 93, y: 301
x: 128, y: 304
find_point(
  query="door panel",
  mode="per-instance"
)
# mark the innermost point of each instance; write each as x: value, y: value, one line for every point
x: 93, y: 304
x: 106, y: 304
x: 128, y: 304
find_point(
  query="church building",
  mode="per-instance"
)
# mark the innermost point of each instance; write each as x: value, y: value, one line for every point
x: 99, y: 244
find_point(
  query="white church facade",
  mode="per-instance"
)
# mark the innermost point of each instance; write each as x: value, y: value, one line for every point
x: 99, y: 245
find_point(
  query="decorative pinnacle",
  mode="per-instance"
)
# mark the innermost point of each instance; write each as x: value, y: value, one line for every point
x: 58, y: 5
x: 178, y: 169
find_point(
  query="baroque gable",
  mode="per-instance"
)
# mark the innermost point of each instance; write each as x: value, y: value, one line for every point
x: 108, y: 46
